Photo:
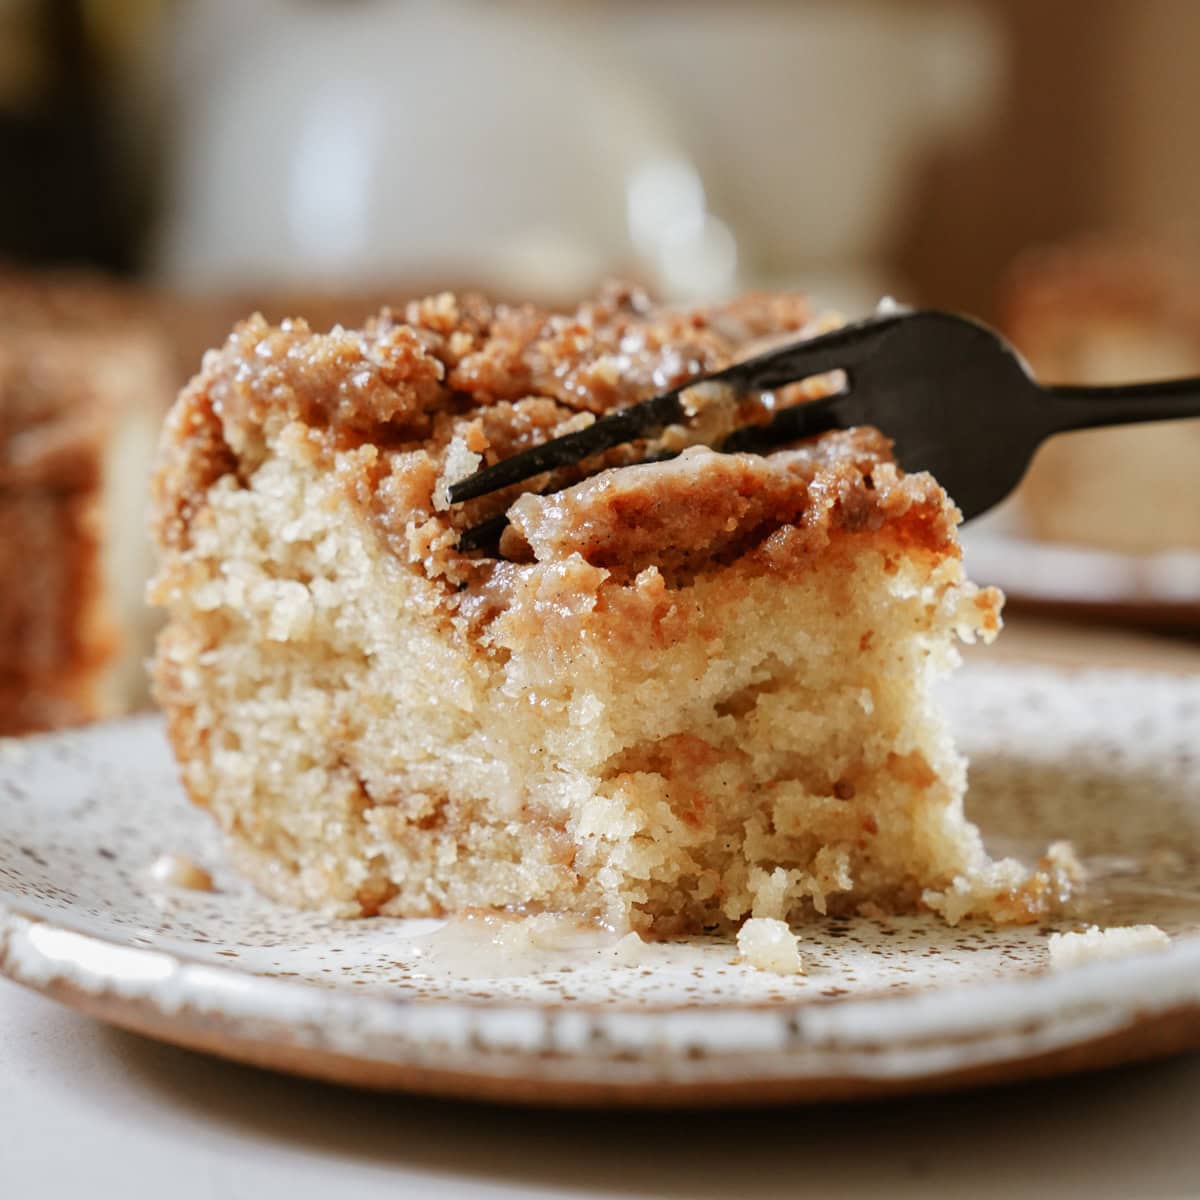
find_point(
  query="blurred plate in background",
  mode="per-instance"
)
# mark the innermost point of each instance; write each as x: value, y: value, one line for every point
x: 1159, y: 590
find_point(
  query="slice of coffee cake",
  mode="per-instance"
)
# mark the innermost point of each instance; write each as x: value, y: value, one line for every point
x: 679, y: 694
x: 79, y: 415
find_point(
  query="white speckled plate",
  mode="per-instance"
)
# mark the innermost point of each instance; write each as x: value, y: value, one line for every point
x: 1111, y: 761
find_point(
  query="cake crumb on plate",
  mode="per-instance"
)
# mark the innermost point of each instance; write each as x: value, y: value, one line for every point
x: 177, y: 870
x: 630, y: 951
x: 770, y: 945
x: 1095, y: 944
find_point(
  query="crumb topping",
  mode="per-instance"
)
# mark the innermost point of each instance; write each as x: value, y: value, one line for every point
x: 706, y: 507
x: 415, y: 400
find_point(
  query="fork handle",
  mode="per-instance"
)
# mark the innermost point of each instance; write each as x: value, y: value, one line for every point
x: 1123, y: 404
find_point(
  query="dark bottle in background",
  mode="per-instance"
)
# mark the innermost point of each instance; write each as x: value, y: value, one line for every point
x: 75, y: 183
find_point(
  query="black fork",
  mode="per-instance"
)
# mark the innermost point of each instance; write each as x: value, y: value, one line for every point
x: 955, y: 398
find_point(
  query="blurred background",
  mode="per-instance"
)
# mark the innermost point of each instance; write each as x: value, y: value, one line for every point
x: 851, y: 145
x: 168, y: 166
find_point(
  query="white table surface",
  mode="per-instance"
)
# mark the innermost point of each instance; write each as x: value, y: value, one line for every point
x: 86, y: 1111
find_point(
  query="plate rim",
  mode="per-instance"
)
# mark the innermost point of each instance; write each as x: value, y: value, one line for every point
x: 531, y: 1051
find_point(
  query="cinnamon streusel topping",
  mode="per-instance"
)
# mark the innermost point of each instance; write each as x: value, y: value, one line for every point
x: 396, y: 405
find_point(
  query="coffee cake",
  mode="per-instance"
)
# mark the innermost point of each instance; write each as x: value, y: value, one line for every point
x: 676, y: 695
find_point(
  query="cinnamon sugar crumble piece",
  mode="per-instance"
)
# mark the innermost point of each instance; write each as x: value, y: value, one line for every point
x: 689, y: 692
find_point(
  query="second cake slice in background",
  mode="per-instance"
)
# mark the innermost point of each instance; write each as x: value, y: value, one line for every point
x: 84, y: 386
x: 1094, y: 312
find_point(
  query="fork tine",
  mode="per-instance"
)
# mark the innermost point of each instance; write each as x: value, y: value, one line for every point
x: 789, y: 424
x: 484, y: 534
x: 842, y: 348
x: 639, y: 420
